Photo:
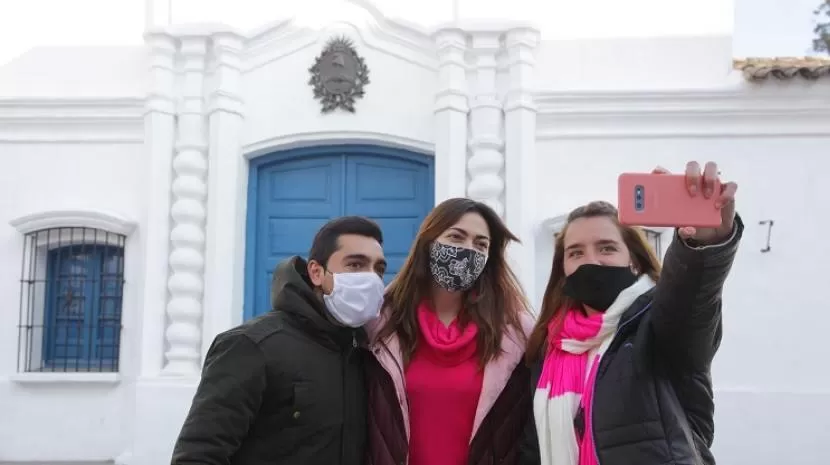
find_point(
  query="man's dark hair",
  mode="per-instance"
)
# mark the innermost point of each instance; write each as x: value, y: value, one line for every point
x: 326, y: 240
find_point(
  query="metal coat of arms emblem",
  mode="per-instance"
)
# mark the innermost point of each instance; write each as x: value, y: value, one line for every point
x: 338, y: 75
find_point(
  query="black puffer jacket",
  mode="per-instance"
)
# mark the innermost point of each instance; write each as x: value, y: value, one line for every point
x: 284, y: 388
x: 653, y: 401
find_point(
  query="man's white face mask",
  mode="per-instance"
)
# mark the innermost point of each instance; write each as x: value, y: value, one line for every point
x: 356, y: 298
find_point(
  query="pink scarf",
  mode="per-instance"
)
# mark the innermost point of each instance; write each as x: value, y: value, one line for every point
x: 447, y: 345
x: 567, y: 380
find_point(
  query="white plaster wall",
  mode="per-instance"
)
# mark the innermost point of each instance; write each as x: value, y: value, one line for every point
x: 279, y: 106
x: 52, y: 420
x: 84, y: 72
x: 648, y: 63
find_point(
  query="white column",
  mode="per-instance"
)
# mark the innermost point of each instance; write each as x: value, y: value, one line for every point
x: 187, y: 259
x: 486, y: 160
x: 520, y: 153
x: 157, y: 13
x: 227, y: 181
x: 159, y: 137
x: 451, y: 108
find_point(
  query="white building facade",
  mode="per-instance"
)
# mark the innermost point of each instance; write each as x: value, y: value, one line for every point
x: 148, y: 192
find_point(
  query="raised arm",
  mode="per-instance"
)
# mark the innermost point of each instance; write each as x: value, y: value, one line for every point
x: 686, y: 311
x: 225, y: 404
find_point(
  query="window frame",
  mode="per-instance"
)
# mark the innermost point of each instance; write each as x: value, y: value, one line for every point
x: 35, y: 335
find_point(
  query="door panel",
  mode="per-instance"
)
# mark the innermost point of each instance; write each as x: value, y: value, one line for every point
x: 296, y: 197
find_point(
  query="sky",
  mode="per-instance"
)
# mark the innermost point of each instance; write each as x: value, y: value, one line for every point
x: 759, y: 27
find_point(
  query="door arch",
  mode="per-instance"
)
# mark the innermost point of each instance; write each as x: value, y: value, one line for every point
x: 292, y: 193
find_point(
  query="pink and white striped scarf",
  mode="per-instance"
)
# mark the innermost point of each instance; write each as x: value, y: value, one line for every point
x: 568, y: 376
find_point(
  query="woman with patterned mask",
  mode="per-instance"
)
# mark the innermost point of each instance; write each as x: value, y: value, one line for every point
x: 447, y: 385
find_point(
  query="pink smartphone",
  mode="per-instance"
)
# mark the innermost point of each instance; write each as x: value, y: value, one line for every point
x: 647, y: 199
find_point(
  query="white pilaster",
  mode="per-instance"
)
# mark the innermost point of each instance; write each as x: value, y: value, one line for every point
x: 187, y: 259
x: 520, y: 152
x: 227, y: 181
x: 159, y: 137
x: 157, y: 13
x: 486, y: 160
x: 451, y: 109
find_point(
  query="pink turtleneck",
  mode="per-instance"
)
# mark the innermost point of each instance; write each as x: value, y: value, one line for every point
x: 443, y: 384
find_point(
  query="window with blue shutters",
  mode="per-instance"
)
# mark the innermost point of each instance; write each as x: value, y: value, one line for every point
x: 71, y: 299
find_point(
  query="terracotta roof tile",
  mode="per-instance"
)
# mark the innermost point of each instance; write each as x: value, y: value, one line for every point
x: 759, y: 69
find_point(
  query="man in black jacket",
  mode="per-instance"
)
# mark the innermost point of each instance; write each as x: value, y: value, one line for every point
x: 288, y: 387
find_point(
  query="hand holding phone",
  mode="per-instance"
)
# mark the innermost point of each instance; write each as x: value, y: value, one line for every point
x: 695, y: 202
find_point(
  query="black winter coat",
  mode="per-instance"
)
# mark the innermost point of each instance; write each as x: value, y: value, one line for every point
x: 284, y: 388
x: 653, y: 399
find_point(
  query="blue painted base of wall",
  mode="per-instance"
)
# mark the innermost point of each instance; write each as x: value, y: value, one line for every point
x: 292, y: 193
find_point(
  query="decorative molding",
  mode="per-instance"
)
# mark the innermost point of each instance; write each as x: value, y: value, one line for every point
x: 161, y: 99
x: 290, y: 141
x: 56, y: 378
x: 485, y: 166
x: 224, y: 71
x: 452, y: 95
x: 227, y: 171
x: 71, y: 120
x: 161, y: 121
x: 285, y: 36
x: 791, y: 110
x: 327, y: 80
x: 394, y: 37
x: 73, y: 218
x: 183, y: 336
x: 451, y: 114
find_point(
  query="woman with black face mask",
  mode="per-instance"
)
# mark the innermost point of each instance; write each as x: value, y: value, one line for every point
x: 447, y: 385
x: 621, y: 354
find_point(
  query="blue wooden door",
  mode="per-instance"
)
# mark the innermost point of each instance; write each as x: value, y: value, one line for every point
x: 292, y: 194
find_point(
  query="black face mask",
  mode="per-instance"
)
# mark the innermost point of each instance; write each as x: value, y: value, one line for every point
x: 598, y: 286
x: 455, y: 268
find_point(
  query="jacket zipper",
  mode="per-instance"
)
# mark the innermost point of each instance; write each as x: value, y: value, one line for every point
x: 594, y: 387
x: 346, y: 360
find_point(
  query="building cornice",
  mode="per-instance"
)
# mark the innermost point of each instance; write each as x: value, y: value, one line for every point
x: 738, y: 111
x: 71, y: 120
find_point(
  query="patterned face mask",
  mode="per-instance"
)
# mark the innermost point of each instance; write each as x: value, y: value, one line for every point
x: 455, y: 268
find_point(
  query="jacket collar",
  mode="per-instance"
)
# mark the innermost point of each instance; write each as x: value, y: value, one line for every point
x: 637, y: 308
x: 293, y: 294
x: 496, y: 374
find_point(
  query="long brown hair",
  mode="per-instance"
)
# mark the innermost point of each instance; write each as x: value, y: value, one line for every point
x: 493, y: 304
x: 555, y: 303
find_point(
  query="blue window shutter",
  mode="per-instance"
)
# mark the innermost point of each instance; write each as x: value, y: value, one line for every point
x: 83, y: 308
x: 107, y: 311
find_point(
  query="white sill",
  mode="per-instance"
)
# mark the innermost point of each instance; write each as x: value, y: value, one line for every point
x: 65, y: 378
